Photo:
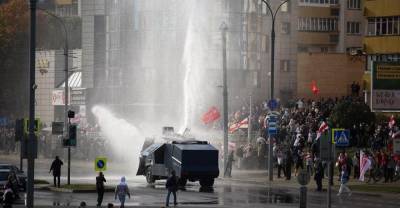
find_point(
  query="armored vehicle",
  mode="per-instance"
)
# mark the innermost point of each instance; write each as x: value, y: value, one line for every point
x: 191, y: 159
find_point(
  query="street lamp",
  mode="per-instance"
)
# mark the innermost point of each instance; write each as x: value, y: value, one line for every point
x: 273, y: 16
x: 66, y: 87
x: 223, y: 29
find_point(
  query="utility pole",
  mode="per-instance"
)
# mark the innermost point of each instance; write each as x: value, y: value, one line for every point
x: 66, y: 100
x: 223, y: 29
x: 273, y: 16
x: 32, y: 87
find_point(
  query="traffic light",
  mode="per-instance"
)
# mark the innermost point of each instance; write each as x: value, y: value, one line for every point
x: 72, y: 135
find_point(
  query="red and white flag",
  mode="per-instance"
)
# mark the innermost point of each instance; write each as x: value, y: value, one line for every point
x: 243, y: 124
x: 324, y: 127
x: 392, y: 121
x: 211, y: 115
x: 365, y: 164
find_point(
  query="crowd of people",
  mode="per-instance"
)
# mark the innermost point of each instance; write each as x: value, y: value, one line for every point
x: 296, y: 146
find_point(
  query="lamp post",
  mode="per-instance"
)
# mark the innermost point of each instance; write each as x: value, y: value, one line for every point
x: 66, y: 87
x: 273, y: 16
x: 223, y: 29
x: 32, y: 87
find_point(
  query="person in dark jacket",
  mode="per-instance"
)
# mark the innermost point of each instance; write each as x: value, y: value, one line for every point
x: 56, y: 168
x: 288, y: 164
x: 319, y: 172
x: 172, y: 186
x: 100, y: 188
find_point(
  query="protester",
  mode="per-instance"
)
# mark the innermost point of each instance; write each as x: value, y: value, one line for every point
x: 172, y: 186
x: 279, y: 157
x: 343, y: 181
x: 121, y: 191
x: 56, y: 168
x: 228, y: 169
x: 356, y: 163
x: 288, y: 164
x: 319, y: 172
x: 100, y: 188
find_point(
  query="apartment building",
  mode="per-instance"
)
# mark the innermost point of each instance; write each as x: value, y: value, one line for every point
x: 329, y: 43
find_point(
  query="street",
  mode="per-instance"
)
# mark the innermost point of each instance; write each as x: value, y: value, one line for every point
x: 225, y: 194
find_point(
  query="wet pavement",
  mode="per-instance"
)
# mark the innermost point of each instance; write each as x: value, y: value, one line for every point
x: 225, y: 193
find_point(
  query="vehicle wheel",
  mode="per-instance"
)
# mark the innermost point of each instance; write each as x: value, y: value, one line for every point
x: 149, y: 177
x: 207, y: 182
x: 182, y: 182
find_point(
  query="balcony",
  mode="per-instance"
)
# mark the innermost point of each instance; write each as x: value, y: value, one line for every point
x: 382, y: 44
x: 318, y: 38
x: 381, y: 8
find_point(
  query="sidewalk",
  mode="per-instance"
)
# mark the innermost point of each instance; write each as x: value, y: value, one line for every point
x: 260, y: 177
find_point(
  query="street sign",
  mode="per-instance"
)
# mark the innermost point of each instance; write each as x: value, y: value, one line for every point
x: 341, y: 137
x: 36, y: 128
x: 78, y: 96
x: 303, y: 178
x: 272, y: 104
x: 100, y: 164
x: 57, y: 128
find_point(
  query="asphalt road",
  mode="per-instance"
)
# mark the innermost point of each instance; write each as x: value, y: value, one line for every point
x: 226, y: 193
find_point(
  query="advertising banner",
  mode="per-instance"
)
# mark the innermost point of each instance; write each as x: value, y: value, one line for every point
x: 385, y: 92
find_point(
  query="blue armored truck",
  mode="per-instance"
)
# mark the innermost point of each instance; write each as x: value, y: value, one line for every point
x: 191, y: 159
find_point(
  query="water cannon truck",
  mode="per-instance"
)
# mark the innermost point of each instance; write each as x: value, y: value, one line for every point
x: 191, y: 159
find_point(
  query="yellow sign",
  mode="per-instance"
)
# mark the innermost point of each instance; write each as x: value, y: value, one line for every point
x: 388, y: 72
x: 100, y: 164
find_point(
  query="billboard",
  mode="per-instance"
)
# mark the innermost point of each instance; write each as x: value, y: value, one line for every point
x: 385, y: 89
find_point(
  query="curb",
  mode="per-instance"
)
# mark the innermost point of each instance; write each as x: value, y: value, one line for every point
x: 66, y: 190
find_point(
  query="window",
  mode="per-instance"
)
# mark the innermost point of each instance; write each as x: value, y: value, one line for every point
x: 353, y: 28
x: 327, y: 2
x: 335, y: 12
x: 314, y: 24
x: 354, y: 4
x: 285, y: 65
x: 285, y: 28
x: 383, y: 26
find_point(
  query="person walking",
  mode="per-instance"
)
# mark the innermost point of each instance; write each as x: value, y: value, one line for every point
x: 100, y: 180
x: 288, y: 164
x: 172, y: 187
x: 319, y: 172
x: 279, y: 158
x: 56, y: 168
x: 228, y: 169
x: 121, y: 191
x: 344, y: 178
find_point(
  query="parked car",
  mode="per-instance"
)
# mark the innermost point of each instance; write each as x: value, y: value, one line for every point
x: 20, y: 174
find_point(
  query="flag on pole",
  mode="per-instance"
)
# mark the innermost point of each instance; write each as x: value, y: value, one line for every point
x: 211, y: 115
x: 392, y: 121
x: 314, y: 88
x: 365, y: 164
x: 243, y: 124
x: 324, y: 127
